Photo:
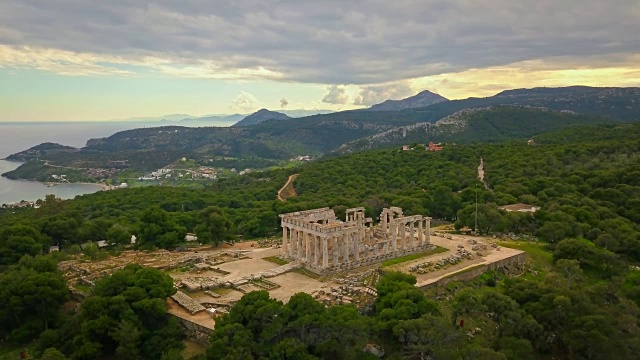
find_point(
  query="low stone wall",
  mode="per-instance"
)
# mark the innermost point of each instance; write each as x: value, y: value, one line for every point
x: 512, y: 261
x: 195, y: 332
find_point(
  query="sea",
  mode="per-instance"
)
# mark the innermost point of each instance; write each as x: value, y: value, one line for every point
x: 19, y: 136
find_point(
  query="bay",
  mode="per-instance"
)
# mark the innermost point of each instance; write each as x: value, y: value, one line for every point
x: 19, y: 136
x: 12, y: 191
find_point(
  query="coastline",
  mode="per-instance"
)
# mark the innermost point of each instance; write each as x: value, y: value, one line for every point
x: 104, y: 186
x: 16, y: 190
x: 49, y: 184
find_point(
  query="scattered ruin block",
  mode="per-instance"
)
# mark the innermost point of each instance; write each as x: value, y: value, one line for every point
x: 187, y: 302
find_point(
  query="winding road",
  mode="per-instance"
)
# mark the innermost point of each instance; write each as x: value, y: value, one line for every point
x: 282, y: 196
x: 481, y: 174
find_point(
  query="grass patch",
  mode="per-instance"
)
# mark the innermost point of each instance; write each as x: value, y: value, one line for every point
x: 221, y: 291
x: 305, y: 272
x: 276, y: 260
x: 410, y: 257
x: 535, y: 251
x: 193, y: 348
x: 84, y: 288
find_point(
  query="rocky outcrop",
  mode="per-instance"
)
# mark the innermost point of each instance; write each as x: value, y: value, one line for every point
x: 450, y: 124
x: 374, y: 349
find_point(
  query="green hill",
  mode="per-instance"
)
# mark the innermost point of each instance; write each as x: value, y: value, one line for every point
x: 492, y: 124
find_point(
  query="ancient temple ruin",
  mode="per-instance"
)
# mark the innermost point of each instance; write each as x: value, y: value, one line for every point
x: 326, y: 244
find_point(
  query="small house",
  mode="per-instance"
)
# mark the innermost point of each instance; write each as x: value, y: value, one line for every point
x: 520, y: 208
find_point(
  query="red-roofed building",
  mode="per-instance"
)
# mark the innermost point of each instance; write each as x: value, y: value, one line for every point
x: 434, y: 147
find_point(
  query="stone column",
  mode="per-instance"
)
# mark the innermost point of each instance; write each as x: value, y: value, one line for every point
x: 284, y: 240
x: 427, y: 230
x: 383, y: 222
x: 420, y: 233
x: 316, y: 250
x: 356, y: 246
x: 336, y: 254
x: 293, y: 242
x: 300, y: 237
x: 403, y: 238
x: 345, y: 238
x: 394, y: 236
x: 411, y: 235
x: 325, y: 253
x: 309, y: 246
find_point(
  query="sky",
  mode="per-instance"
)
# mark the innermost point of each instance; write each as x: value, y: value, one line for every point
x: 100, y: 60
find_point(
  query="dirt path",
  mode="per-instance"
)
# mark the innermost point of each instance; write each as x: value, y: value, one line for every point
x: 46, y: 163
x: 481, y: 174
x: 287, y: 190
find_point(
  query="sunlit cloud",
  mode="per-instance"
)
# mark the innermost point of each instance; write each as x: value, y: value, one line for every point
x: 482, y: 82
x: 245, y: 102
x: 336, y: 94
x: 60, y: 61
x: 63, y: 62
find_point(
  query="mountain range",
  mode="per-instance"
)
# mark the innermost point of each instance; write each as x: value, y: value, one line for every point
x: 513, y: 114
x: 186, y: 118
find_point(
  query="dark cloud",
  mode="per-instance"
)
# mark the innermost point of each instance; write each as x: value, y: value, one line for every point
x: 284, y: 103
x: 330, y: 42
x: 336, y: 94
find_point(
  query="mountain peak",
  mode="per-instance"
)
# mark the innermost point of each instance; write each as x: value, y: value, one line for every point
x: 260, y: 116
x: 421, y: 99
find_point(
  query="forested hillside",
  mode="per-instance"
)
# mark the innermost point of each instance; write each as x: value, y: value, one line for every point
x: 581, y: 286
x: 491, y: 124
x: 615, y: 103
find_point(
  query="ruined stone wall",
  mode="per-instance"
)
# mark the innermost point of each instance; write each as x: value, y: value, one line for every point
x: 514, y: 261
x: 195, y: 331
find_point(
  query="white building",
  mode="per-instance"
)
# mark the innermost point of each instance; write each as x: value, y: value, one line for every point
x: 520, y: 208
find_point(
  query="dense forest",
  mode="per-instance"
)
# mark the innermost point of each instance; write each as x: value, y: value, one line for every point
x: 579, y: 300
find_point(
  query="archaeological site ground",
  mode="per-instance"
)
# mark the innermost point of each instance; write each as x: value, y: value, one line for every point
x: 337, y: 262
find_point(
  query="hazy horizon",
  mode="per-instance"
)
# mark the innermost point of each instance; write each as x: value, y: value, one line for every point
x: 168, y: 118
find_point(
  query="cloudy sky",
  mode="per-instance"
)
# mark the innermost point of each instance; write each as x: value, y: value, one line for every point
x: 97, y: 60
